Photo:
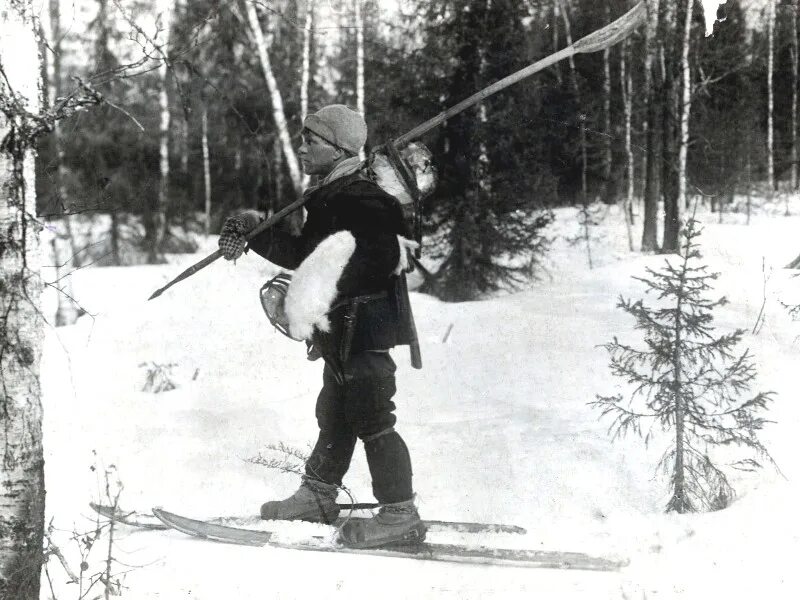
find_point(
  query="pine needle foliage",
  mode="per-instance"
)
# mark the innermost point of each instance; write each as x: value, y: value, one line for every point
x: 487, y: 218
x: 688, y: 381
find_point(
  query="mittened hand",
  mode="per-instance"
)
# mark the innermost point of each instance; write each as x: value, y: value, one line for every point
x: 407, y: 247
x: 231, y: 244
x: 231, y: 239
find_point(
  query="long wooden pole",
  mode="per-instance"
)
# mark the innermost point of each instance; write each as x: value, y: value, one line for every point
x: 598, y: 40
x: 217, y: 253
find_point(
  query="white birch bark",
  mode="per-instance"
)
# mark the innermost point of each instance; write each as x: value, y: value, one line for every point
x: 278, y: 112
x: 770, y: 98
x: 277, y: 155
x: 22, y: 478
x: 66, y: 313
x: 627, y: 85
x: 795, y: 83
x: 607, y: 113
x: 685, y: 111
x: 206, y: 169
x: 359, y: 63
x: 607, y: 156
x: 308, y: 32
x: 557, y: 68
x: 165, y: 9
x: 649, y: 241
x: 180, y: 14
x: 184, y: 142
x: 574, y: 78
x: 749, y: 184
x: 306, y: 65
x: 584, y: 155
x: 483, y: 166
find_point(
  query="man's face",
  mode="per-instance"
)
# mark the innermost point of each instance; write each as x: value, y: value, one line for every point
x: 317, y: 156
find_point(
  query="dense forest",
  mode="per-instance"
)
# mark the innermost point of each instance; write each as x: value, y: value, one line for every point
x: 204, y: 101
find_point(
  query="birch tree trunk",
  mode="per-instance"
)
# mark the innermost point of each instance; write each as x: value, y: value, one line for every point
x: 576, y: 88
x: 607, y: 155
x: 66, y: 313
x: 308, y: 32
x: 275, y: 201
x: 584, y: 187
x: 651, y: 186
x: 556, y: 47
x: 686, y: 107
x: 183, y: 197
x: 670, y: 131
x: 206, y: 168
x: 607, y: 151
x: 55, y: 91
x: 165, y: 8
x: 104, y: 61
x: 184, y: 207
x: 627, y: 85
x: 359, y: 64
x: 306, y: 64
x: 278, y: 112
x: 179, y: 15
x: 795, y: 83
x: 770, y: 97
x: 116, y: 258
x: 21, y: 327
x: 749, y: 183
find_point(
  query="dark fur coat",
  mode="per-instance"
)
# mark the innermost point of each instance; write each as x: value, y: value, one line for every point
x: 348, y: 247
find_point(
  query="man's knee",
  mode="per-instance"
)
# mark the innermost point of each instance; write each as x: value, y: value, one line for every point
x: 369, y: 365
x: 369, y: 408
x: 372, y: 420
x: 369, y: 387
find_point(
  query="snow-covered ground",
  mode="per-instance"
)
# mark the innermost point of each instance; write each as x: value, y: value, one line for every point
x: 497, y: 422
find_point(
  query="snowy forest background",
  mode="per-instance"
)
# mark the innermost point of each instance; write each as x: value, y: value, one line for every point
x: 194, y: 128
x: 559, y: 200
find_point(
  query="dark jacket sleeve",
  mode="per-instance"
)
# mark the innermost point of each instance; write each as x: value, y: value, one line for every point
x: 375, y: 219
x: 279, y: 247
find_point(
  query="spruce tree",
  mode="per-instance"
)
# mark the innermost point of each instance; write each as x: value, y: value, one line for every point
x: 690, y: 381
x: 718, y: 158
x: 487, y: 212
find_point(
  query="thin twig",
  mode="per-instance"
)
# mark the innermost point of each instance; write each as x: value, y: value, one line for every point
x: 126, y: 113
x: 760, y: 319
x: 56, y: 551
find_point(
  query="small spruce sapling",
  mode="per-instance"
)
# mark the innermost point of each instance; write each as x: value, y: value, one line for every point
x: 690, y: 381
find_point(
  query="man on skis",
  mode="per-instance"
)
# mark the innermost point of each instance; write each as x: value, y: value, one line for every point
x: 345, y: 300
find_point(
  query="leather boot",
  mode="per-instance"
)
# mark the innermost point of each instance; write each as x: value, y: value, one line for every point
x: 397, y: 523
x: 314, y: 501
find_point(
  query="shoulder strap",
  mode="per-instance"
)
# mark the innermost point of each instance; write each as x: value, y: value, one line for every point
x: 411, y: 184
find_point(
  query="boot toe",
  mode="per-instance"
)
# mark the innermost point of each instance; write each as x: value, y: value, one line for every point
x: 375, y: 533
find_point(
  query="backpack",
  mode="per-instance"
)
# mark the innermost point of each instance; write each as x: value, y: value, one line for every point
x: 409, y: 175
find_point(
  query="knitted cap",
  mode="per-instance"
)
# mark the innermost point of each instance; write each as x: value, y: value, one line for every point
x: 339, y: 126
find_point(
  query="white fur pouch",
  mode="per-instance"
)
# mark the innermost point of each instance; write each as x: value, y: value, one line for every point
x: 313, y: 287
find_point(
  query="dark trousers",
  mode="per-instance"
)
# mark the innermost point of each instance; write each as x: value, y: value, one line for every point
x: 361, y: 407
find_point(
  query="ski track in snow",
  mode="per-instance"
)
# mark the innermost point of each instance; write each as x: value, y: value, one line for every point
x: 497, y: 422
